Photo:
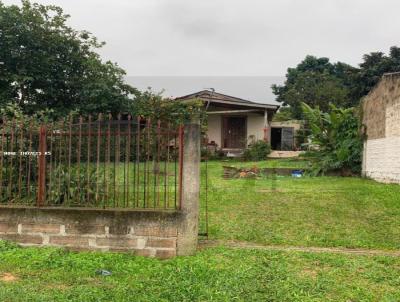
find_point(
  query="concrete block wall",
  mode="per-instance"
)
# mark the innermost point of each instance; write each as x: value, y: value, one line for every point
x: 382, y: 159
x: 381, y: 117
x: 144, y: 233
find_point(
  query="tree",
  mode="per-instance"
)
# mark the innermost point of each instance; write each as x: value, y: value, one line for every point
x: 47, y: 64
x: 374, y: 65
x: 316, y: 82
x: 284, y: 114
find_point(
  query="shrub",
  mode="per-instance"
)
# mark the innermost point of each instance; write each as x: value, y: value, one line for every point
x: 336, y: 140
x: 209, y: 155
x: 258, y: 150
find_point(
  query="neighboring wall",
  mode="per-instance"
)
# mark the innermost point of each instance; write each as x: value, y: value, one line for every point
x: 381, y: 117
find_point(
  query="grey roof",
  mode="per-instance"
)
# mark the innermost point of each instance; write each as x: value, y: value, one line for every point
x: 253, y: 88
x: 217, y: 97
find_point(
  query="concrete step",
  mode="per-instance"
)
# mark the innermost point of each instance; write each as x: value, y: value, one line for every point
x: 284, y: 154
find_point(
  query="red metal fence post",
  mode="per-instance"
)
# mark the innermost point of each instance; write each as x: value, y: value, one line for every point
x: 41, y: 195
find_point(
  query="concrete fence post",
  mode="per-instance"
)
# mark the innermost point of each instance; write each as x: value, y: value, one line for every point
x: 187, y: 243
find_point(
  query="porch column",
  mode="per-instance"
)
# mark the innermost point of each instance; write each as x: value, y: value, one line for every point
x: 267, y: 128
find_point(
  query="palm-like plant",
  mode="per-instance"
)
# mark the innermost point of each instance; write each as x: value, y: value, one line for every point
x: 336, y: 139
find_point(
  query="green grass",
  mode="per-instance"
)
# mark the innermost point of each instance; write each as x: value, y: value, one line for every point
x: 308, y: 211
x: 324, y: 211
x: 295, y: 163
x: 216, y: 274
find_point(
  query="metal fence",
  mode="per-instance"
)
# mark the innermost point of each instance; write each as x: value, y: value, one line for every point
x: 106, y: 162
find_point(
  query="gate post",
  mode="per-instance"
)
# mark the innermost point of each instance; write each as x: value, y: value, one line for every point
x: 41, y: 197
x: 188, y: 233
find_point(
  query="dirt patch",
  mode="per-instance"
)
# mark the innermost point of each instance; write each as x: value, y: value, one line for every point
x: 58, y: 286
x: 308, y: 272
x: 336, y: 250
x: 8, y: 277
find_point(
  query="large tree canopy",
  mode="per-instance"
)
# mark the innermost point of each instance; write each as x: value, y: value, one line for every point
x: 374, y: 65
x: 44, y: 64
x: 318, y: 82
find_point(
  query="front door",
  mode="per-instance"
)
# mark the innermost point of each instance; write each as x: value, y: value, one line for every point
x: 234, y: 132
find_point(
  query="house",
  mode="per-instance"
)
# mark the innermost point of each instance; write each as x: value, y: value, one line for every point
x: 233, y: 122
x: 381, y: 121
x: 283, y: 135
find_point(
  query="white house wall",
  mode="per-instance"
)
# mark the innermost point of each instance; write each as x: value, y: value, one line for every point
x: 255, y: 127
x: 214, y: 129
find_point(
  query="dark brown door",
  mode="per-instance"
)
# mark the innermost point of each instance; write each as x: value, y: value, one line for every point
x: 234, y: 132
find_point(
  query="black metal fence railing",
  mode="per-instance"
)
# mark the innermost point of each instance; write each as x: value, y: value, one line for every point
x: 127, y: 162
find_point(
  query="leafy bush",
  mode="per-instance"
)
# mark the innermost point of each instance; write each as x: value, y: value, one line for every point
x: 77, y: 185
x: 207, y: 154
x: 335, y: 140
x: 258, y: 150
x: 8, y: 246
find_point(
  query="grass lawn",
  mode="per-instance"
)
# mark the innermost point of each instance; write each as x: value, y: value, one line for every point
x: 321, y: 212
x: 216, y: 274
x: 308, y: 211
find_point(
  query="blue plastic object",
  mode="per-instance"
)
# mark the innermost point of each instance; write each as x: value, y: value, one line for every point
x: 297, y: 173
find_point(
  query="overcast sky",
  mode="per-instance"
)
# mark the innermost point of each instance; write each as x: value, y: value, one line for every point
x: 233, y: 37
x: 214, y: 40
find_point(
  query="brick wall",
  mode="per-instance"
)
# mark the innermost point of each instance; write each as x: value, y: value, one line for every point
x: 145, y: 233
x: 381, y: 117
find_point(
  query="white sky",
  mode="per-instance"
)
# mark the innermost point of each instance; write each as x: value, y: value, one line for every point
x: 233, y: 37
x: 253, y: 88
